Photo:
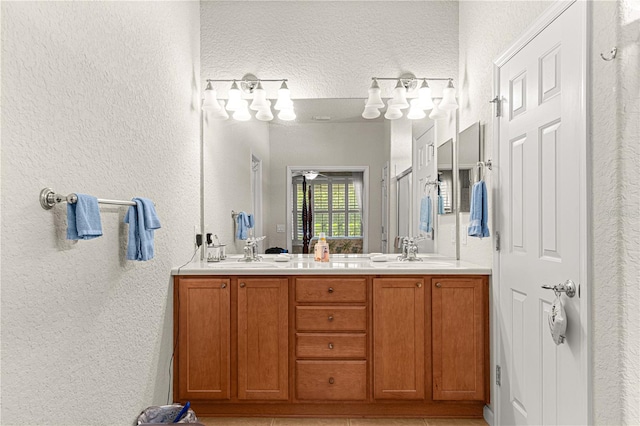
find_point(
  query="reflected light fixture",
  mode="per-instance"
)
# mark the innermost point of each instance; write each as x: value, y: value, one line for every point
x: 436, y: 112
x: 416, y: 113
x: 392, y: 113
x: 420, y: 101
x: 220, y: 114
x: 251, y: 87
x: 242, y: 111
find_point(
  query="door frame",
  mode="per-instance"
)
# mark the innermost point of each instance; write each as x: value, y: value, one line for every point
x: 548, y: 16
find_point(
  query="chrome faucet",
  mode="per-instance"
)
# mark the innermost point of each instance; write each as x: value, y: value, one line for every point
x: 409, y: 250
x: 251, y: 250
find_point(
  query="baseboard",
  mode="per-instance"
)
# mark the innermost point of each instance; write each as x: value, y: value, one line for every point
x: 487, y: 413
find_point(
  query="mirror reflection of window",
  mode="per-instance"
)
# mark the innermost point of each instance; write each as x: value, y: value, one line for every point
x: 336, y: 207
x: 445, y: 198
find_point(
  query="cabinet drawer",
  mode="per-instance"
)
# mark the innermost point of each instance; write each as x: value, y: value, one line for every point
x: 331, y: 290
x: 331, y: 318
x: 331, y: 380
x: 326, y: 345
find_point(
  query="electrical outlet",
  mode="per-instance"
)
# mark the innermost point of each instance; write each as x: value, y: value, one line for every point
x: 453, y: 234
x: 280, y: 228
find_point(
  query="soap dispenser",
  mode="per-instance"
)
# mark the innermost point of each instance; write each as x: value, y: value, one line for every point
x: 321, y: 250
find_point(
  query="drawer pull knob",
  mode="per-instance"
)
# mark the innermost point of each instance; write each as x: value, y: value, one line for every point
x: 438, y: 285
x: 331, y: 381
x: 330, y: 317
x: 330, y: 289
x: 242, y: 285
x: 419, y: 285
x: 223, y: 286
x: 330, y: 345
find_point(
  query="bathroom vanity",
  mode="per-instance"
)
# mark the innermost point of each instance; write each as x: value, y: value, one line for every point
x: 350, y: 337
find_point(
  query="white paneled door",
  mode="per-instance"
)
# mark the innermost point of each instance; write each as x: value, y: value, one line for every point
x: 541, y: 214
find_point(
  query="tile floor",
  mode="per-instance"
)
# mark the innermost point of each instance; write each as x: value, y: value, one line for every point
x: 256, y: 421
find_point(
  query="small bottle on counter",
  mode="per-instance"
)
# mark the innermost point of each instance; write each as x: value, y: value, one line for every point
x: 321, y: 250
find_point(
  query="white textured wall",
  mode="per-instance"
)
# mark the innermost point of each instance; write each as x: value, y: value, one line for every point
x: 326, y: 144
x: 615, y: 211
x: 615, y: 204
x: 99, y: 98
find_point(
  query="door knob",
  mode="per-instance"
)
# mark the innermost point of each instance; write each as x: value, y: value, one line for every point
x: 330, y: 345
x: 438, y: 285
x: 568, y: 287
x: 330, y: 318
x: 242, y: 285
x: 223, y: 286
x: 419, y: 285
x: 330, y: 289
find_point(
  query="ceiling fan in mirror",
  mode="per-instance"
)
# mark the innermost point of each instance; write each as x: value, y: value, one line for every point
x: 308, y: 174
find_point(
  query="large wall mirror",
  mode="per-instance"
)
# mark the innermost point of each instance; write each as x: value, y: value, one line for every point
x: 260, y: 167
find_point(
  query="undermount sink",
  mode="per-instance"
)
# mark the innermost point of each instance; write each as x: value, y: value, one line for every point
x: 417, y: 265
x: 241, y: 265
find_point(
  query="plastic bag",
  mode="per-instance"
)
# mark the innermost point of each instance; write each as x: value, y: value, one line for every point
x: 164, y: 414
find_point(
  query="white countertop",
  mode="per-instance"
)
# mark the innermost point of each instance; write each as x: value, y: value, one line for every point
x: 299, y: 264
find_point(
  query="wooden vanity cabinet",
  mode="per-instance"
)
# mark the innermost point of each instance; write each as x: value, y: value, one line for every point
x: 363, y: 346
x: 202, y: 315
x: 398, y: 338
x: 460, y: 320
x: 207, y: 310
x: 331, y: 338
x: 263, y: 329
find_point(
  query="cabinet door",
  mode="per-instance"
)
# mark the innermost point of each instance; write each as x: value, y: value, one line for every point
x: 263, y: 338
x: 398, y: 338
x: 458, y: 320
x: 202, y: 306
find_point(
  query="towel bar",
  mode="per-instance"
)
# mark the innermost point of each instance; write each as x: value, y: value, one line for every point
x: 49, y: 198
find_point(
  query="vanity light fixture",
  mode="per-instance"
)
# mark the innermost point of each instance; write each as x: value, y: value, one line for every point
x: 420, y: 102
x: 448, y: 98
x: 374, y: 100
x: 247, y: 86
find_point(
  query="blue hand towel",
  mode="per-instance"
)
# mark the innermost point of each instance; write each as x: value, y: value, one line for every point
x: 83, y: 218
x: 142, y: 220
x: 242, y: 220
x: 425, y: 214
x: 479, y: 214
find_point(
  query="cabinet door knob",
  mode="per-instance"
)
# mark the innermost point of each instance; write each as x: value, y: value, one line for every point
x: 330, y: 289
x: 330, y: 345
x: 438, y: 285
x: 242, y: 285
x: 223, y: 286
x: 330, y: 318
x: 419, y: 285
x: 331, y: 381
